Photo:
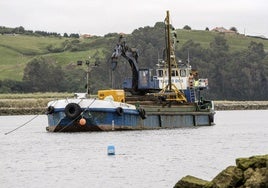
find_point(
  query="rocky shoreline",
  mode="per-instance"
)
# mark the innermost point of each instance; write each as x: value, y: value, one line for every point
x: 241, y: 105
x: 38, y: 106
x: 23, y: 106
x: 248, y: 172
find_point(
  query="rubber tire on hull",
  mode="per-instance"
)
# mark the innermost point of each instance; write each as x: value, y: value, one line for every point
x: 119, y: 111
x: 142, y: 113
x: 72, y: 110
x: 50, y: 109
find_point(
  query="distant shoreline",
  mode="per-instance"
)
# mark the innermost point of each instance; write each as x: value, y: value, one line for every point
x: 241, y: 105
x: 38, y: 106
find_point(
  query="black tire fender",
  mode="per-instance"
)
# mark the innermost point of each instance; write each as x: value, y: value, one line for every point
x: 142, y: 113
x: 72, y: 110
x: 211, y: 118
x: 119, y: 111
x: 50, y: 110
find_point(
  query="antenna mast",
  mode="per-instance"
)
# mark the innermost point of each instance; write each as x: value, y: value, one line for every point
x: 168, y: 50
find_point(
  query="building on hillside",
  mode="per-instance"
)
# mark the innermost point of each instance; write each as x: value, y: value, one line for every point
x: 223, y: 30
x: 86, y: 36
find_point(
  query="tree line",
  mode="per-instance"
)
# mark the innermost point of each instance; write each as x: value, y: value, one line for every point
x: 20, y: 30
x: 239, y: 75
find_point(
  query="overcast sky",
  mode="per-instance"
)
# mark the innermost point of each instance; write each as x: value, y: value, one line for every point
x: 99, y: 17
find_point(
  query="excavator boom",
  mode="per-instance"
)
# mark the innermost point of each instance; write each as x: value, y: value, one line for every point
x: 131, y: 55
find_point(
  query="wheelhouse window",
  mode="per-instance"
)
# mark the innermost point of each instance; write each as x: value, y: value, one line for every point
x: 160, y: 73
x: 174, y: 73
x: 183, y: 73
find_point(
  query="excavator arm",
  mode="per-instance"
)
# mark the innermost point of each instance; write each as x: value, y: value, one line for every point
x: 131, y: 55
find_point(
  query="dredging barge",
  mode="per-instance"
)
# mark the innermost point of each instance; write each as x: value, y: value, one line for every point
x: 166, y: 97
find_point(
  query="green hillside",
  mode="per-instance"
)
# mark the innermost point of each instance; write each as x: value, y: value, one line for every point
x: 236, y: 65
x: 236, y: 42
x: 17, y: 50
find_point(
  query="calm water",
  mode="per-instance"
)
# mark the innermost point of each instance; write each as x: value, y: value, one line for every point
x: 31, y: 157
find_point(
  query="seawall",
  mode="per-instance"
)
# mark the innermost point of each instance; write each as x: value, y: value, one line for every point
x: 241, y: 105
x: 31, y: 106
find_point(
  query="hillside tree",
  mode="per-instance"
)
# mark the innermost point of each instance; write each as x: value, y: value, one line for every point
x: 42, y: 75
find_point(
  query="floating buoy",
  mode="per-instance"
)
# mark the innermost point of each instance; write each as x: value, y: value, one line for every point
x: 110, y: 150
x: 82, y: 121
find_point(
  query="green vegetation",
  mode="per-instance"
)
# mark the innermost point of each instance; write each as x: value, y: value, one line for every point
x: 236, y: 42
x: 17, y: 50
x: 236, y: 65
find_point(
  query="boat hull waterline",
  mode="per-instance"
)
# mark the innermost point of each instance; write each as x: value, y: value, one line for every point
x: 100, y: 115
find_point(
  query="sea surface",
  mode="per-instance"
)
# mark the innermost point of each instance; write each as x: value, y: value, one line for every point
x: 33, y: 158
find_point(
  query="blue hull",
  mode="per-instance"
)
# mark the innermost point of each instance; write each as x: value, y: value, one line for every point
x: 110, y: 119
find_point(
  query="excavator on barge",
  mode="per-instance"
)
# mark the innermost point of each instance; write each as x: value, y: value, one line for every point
x: 172, y: 80
x: 166, y: 97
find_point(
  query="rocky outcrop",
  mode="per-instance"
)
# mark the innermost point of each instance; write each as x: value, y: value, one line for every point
x: 249, y: 172
x: 191, y: 182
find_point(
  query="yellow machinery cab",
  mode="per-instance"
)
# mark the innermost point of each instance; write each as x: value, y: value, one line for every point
x: 113, y: 94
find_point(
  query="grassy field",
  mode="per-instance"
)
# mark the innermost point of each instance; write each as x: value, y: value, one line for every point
x: 17, y: 50
x: 236, y: 42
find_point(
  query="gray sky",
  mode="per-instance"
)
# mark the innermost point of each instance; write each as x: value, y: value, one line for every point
x: 99, y: 17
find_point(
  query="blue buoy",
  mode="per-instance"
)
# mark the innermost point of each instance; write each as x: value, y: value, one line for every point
x: 110, y: 150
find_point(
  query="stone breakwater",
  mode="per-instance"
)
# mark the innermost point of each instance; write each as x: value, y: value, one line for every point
x: 28, y: 106
x: 31, y: 106
x: 241, y: 105
x: 248, y: 172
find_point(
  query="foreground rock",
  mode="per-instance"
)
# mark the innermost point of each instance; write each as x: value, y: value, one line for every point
x: 249, y: 172
x: 191, y: 182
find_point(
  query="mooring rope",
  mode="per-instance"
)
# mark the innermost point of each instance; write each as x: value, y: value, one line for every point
x: 22, y: 125
x: 68, y: 123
